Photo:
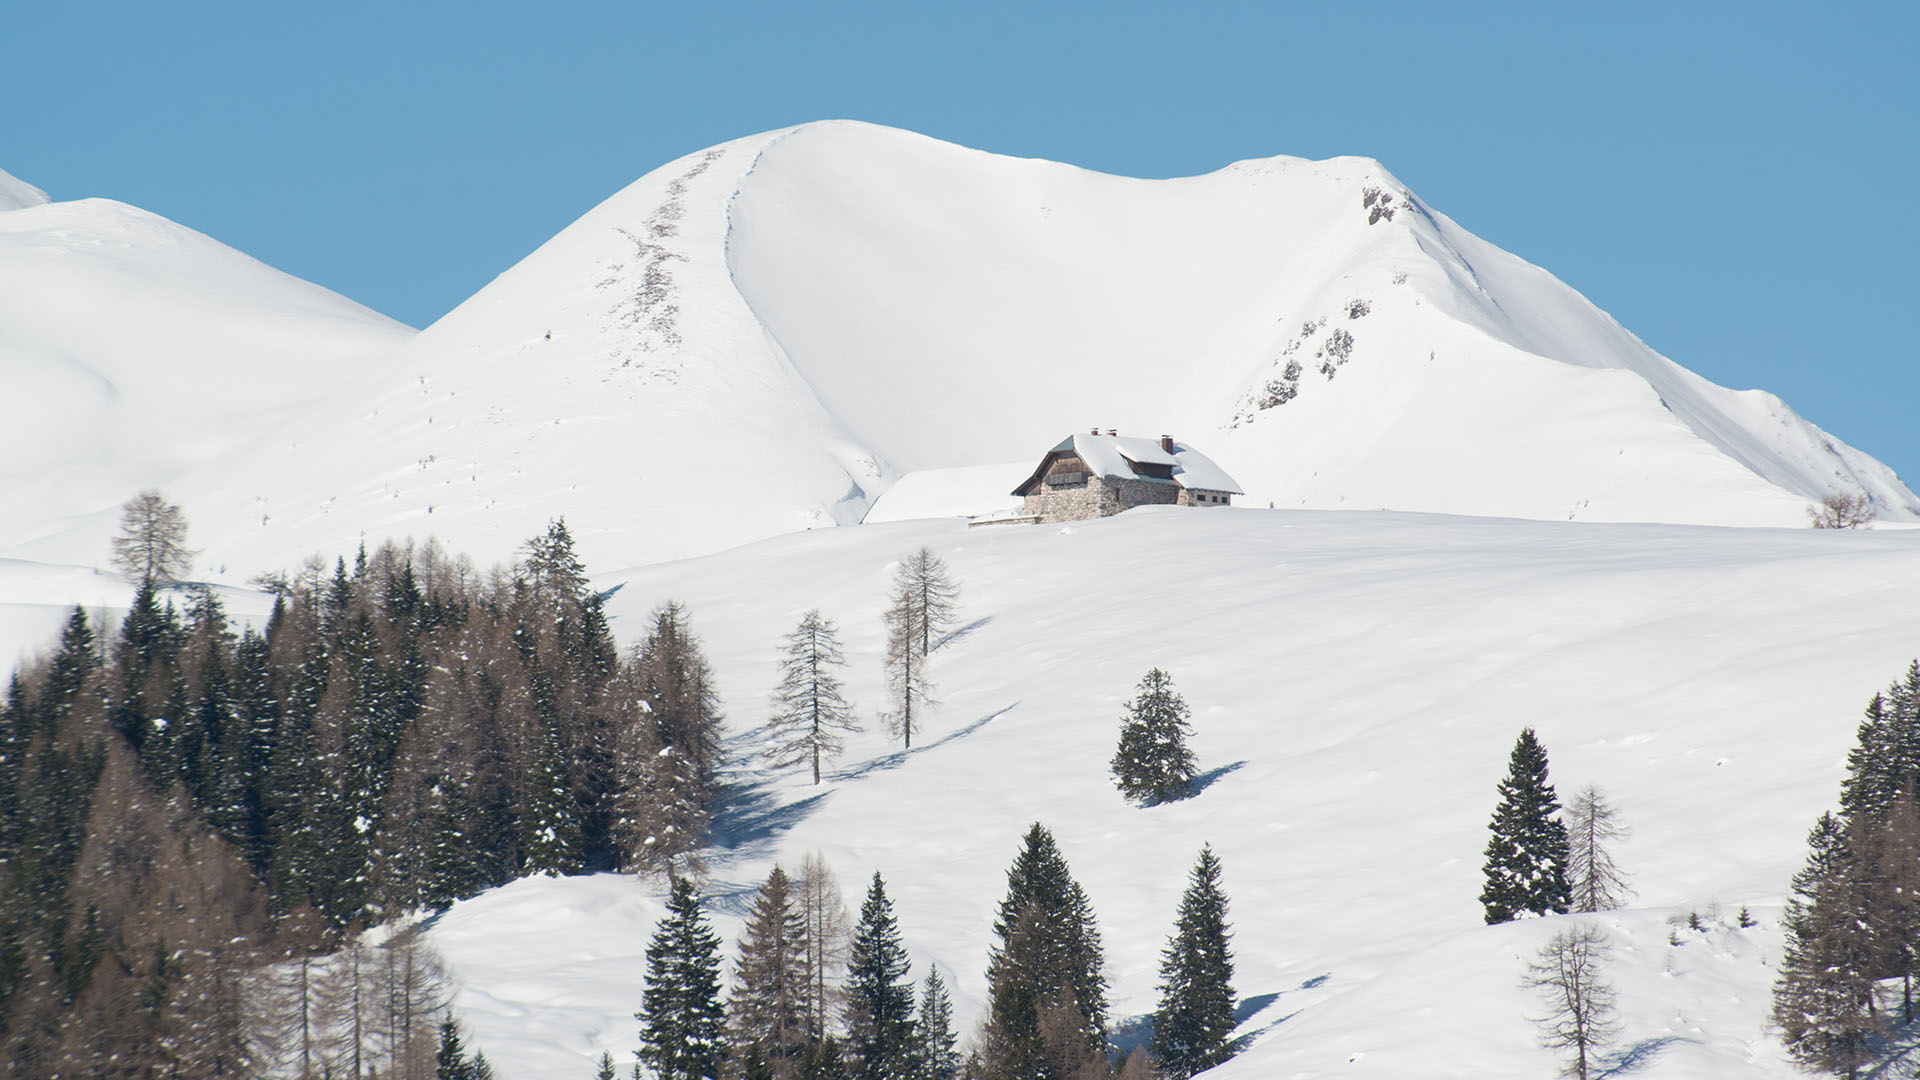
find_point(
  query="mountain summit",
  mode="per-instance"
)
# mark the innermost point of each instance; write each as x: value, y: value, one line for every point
x: 762, y: 336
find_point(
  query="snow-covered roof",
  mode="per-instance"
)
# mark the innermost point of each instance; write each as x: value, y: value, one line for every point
x: 1116, y: 455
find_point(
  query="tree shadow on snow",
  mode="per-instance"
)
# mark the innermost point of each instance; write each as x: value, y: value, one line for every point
x: 751, y: 816
x: 1639, y: 1055
x: 1251, y: 1007
x: 964, y: 631
x: 900, y: 757
x: 1206, y: 779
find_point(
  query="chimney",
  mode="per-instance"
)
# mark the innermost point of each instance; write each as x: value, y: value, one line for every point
x: 1166, y: 443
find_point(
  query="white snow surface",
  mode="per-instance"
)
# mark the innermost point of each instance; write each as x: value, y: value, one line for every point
x: 761, y: 337
x: 969, y: 491
x: 1356, y: 682
x: 132, y: 349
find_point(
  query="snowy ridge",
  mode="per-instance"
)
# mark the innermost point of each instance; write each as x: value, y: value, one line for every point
x: 133, y: 349
x: 761, y: 337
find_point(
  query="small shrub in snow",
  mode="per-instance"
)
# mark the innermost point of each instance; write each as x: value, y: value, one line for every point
x: 1746, y: 921
x: 1357, y: 308
x: 1843, y: 511
x: 1399, y: 277
x: 1307, y: 328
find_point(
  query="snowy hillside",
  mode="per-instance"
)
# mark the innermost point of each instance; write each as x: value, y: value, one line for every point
x: 1356, y: 684
x: 761, y: 337
x: 132, y: 349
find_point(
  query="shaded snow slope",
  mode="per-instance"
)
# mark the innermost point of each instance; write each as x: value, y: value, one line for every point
x: 1356, y: 683
x: 132, y: 349
x: 761, y: 337
x: 17, y: 194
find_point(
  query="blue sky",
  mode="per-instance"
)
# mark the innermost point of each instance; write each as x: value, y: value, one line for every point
x: 1728, y: 180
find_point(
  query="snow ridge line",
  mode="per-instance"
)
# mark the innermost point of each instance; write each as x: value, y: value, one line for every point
x: 851, y: 508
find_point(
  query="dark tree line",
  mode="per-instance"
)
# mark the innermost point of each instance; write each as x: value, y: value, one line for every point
x: 1853, y: 917
x: 1047, y: 988
x: 176, y: 795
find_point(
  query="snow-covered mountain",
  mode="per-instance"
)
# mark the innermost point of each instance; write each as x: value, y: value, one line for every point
x: 762, y: 336
x: 133, y: 348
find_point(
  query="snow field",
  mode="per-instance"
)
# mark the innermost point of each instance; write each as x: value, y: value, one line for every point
x: 1356, y: 682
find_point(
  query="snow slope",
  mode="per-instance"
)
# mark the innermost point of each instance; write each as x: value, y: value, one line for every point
x: 761, y: 337
x: 1356, y: 683
x: 132, y: 349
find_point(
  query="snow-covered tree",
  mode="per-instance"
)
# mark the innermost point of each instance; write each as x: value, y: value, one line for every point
x: 1153, y: 763
x: 1195, y: 1020
x: 810, y: 709
x: 682, y: 1024
x: 1526, y: 867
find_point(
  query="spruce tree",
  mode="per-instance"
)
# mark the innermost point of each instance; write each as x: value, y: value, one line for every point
x: 937, y: 1054
x: 809, y: 706
x: 879, y: 999
x: 682, y: 1025
x: 551, y: 825
x: 768, y: 1010
x: 1195, y: 1019
x: 1526, y: 867
x: 676, y: 683
x: 1152, y: 764
x: 1823, y: 1000
x: 1046, y: 984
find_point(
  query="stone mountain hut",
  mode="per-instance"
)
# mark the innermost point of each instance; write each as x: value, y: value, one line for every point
x: 1094, y: 475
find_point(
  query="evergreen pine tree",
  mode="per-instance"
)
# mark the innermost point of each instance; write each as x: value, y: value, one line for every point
x: 1526, y: 868
x: 879, y: 999
x: 551, y: 826
x: 682, y: 1026
x: 769, y: 1003
x: 1195, y: 1019
x: 1152, y: 763
x: 937, y: 1054
x: 1823, y: 1000
x: 1047, y: 1005
x: 451, y: 1062
x: 809, y: 707
x: 676, y: 683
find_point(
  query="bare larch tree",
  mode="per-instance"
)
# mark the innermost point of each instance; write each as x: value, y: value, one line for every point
x: 921, y: 607
x: 152, y: 542
x: 1580, y: 1003
x: 809, y: 706
x: 1596, y: 881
